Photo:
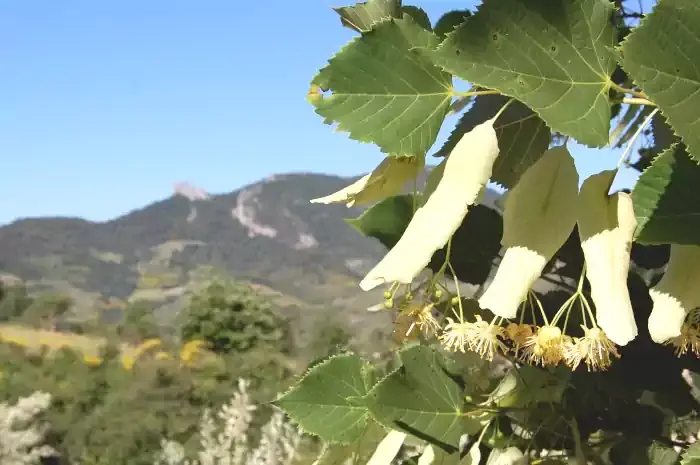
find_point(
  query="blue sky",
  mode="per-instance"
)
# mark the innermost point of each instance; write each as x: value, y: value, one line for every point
x: 106, y: 104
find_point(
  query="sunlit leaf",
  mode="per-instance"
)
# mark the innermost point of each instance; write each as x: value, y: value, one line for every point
x: 449, y: 21
x: 666, y: 200
x: 661, y: 55
x: 691, y: 456
x: 421, y: 398
x: 362, y: 16
x: 327, y: 401
x: 556, y: 56
x: 385, y: 92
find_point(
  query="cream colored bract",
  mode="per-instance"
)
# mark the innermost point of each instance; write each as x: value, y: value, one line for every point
x: 539, y: 216
x: 467, y: 170
x: 606, y: 226
x: 385, y: 180
x: 676, y: 294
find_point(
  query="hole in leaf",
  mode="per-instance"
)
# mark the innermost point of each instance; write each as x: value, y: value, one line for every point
x: 317, y: 93
x: 495, y: 36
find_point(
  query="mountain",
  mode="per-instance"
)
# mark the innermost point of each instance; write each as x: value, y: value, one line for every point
x: 268, y: 233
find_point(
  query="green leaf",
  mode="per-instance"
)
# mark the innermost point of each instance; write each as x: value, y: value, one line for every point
x: 661, y: 55
x: 666, y: 200
x: 419, y: 16
x: 556, y: 56
x: 529, y: 385
x: 362, y: 16
x: 474, y: 245
x: 421, y: 398
x: 384, y: 91
x: 691, y: 456
x: 443, y: 458
x: 635, y: 451
x: 325, y: 402
x: 522, y: 136
x: 386, y: 220
x: 663, y: 139
x: 663, y: 134
x: 449, y: 21
x: 359, y: 451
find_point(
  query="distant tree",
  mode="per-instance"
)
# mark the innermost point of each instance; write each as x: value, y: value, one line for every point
x: 330, y: 338
x: 47, y: 308
x: 138, y: 322
x: 231, y: 317
x: 22, y: 432
x: 14, y: 301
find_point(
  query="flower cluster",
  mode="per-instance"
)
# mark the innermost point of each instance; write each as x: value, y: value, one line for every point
x: 544, y: 345
x: 689, y: 338
x: 542, y: 208
x: 415, y: 316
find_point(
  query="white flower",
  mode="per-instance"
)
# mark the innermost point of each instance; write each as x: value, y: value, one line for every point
x: 539, y: 215
x: 22, y: 431
x: 385, y: 180
x: 606, y: 226
x: 466, y: 171
x: 226, y: 441
x: 676, y: 294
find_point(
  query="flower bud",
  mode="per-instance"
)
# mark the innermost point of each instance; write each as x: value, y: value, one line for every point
x: 606, y: 226
x: 676, y: 294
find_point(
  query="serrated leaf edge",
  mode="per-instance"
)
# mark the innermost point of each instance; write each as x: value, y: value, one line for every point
x: 463, y: 24
x: 317, y: 367
x: 670, y: 149
x: 621, y: 48
x: 303, y: 376
x: 316, y: 79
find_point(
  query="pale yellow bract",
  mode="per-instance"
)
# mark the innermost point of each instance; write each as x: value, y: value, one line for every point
x: 385, y: 180
x: 517, y: 272
x: 676, y: 294
x: 606, y: 226
x: 467, y: 169
x: 388, y: 448
x: 538, y: 217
